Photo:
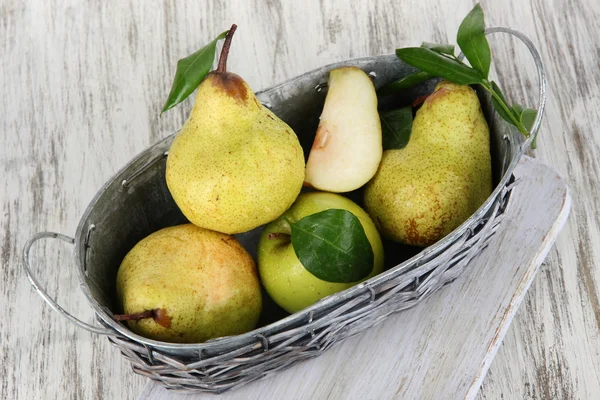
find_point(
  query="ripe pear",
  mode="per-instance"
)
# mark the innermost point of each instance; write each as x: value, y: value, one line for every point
x: 347, y: 147
x: 187, y: 284
x: 234, y: 165
x: 286, y: 280
x: 424, y: 191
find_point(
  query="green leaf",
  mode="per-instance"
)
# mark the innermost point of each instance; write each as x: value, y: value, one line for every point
x: 499, y: 109
x: 439, y: 48
x: 405, y: 82
x: 332, y: 245
x: 437, y: 65
x: 395, y: 128
x: 472, y: 41
x: 526, y: 116
x: 191, y: 70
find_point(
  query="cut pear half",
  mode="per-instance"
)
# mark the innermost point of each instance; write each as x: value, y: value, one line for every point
x: 347, y: 148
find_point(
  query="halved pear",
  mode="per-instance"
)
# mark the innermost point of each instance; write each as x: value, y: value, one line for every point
x: 347, y: 147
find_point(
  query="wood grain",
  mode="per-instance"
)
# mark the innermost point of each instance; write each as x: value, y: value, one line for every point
x: 82, y: 84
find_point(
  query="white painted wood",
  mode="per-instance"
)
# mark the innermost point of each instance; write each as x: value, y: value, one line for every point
x: 443, y: 347
x: 82, y: 83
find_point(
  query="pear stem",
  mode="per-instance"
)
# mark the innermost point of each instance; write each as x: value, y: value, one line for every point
x: 222, y: 67
x: 136, y: 316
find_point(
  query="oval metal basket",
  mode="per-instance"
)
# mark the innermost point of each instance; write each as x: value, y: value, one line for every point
x: 136, y: 202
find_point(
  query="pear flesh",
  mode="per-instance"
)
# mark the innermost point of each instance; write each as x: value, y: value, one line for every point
x: 234, y: 165
x: 347, y: 147
x: 199, y: 285
x: 424, y: 191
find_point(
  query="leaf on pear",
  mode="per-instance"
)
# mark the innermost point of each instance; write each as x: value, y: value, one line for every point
x: 332, y: 245
x: 396, y: 126
x: 191, y: 70
x: 472, y: 41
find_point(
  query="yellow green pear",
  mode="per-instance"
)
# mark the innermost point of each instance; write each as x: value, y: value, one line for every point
x: 234, y: 165
x: 186, y: 284
x: 286, y: 280
x: 424, y: 191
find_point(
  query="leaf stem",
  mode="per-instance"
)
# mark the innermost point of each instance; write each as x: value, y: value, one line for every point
x: 487, y: 86
x: 222, y: 67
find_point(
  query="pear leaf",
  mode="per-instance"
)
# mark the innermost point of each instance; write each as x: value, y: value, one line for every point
x: 439, y: 48
x: 526, y: 116
x: 395, y: 127
x: 438, y: 65
x: 332, y: 245
x: 498, y: 107
x: 191, y: 70
x: 405, y: 82
x: 472, y: 41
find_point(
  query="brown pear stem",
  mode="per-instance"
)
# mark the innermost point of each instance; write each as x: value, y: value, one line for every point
x: 222, y: 67
x: 136, y: 316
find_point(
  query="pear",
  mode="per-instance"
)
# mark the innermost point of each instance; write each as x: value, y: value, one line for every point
x: 347, y: 147
x: 284, y: 277
x: 187, y: 284
x: 424, y: 191
x: 234, y: 165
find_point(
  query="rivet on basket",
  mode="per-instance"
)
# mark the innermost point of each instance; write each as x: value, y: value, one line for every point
x: 319, y: 88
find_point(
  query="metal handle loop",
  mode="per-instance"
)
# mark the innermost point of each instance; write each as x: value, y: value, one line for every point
x: 537, y: 59
x: 50, y: 301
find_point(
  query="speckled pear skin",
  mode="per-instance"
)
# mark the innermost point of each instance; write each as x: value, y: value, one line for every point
x: 205, y: 281
x: 424, y: 191
x: 234, y: 165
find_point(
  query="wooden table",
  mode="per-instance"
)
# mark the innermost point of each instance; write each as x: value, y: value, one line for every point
x: 82, y: 86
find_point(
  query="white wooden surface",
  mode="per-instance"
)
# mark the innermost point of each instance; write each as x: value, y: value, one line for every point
x: 81, y: 88
x: 443, y: 347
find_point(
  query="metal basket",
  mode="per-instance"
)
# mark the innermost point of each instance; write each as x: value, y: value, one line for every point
x: 139, y: 196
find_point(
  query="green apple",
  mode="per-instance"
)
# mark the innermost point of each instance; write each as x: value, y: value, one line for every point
x: 286, y: 280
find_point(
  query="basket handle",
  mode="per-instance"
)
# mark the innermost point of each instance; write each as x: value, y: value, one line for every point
x: 50, y: 301
x: 537, y: 59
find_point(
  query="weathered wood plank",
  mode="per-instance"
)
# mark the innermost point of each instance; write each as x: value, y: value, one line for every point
x: 82, y: 84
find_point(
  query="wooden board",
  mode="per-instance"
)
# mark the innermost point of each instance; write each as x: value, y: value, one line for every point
x: 443, y: 347
x: 82, y: 83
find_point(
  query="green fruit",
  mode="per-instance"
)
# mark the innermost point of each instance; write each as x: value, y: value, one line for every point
x: 347, y: 147
x: 424, y: 191
x: 286, y: 280
x: 234, y: 165
x: 199, y: 285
